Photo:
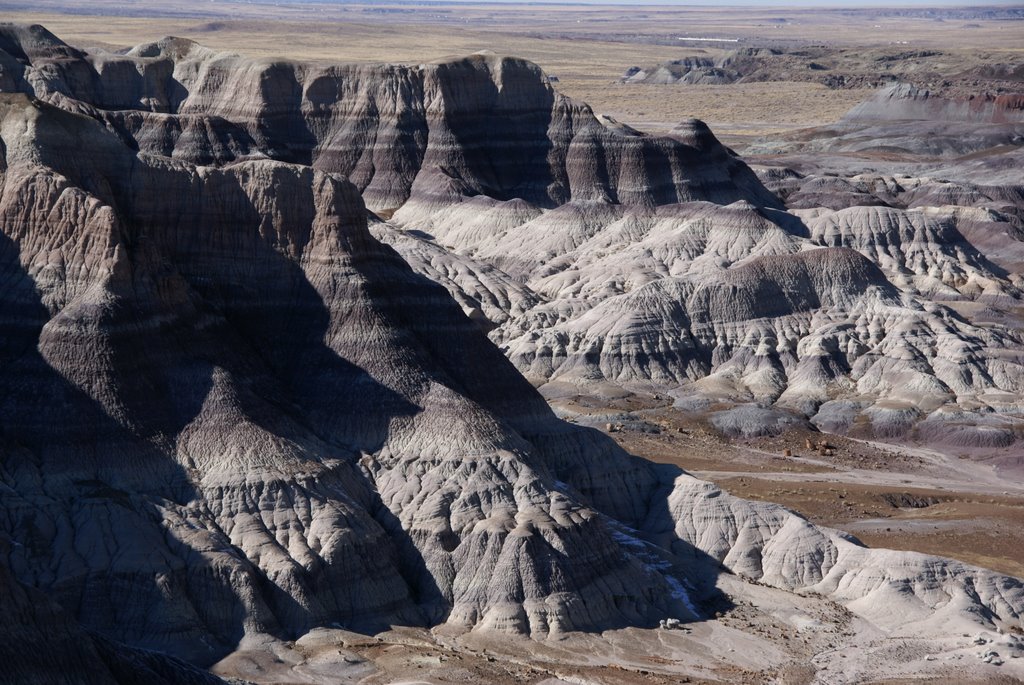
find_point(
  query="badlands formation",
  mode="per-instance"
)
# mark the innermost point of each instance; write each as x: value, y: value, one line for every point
x: 251, y: 414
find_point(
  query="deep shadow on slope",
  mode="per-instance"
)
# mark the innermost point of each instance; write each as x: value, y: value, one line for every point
x: 104, y: 466
x: 479, y: 125
x: 207, y: 317
x: 40, y: 644
x: 182, y: 332
x: 68, y: 465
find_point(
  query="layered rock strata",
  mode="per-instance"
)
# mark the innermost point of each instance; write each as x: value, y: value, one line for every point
x: 229, y: 410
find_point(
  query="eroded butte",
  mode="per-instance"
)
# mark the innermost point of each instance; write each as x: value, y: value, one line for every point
x: 252, y: 417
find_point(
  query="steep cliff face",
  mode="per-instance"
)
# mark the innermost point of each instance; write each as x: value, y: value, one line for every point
x: 228, y: 409
x: 418, y: 136
x: 904, y: 101
x: 226, y: 395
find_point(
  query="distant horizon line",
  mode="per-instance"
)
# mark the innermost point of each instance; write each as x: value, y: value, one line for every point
x: 766, y: 4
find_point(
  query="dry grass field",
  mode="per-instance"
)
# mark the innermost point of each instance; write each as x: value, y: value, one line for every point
x: 586, y: 47
x: 735, y: 112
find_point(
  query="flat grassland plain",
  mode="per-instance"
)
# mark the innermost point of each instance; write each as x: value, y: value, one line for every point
x: 900, y: 498
x: 586, y: 47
